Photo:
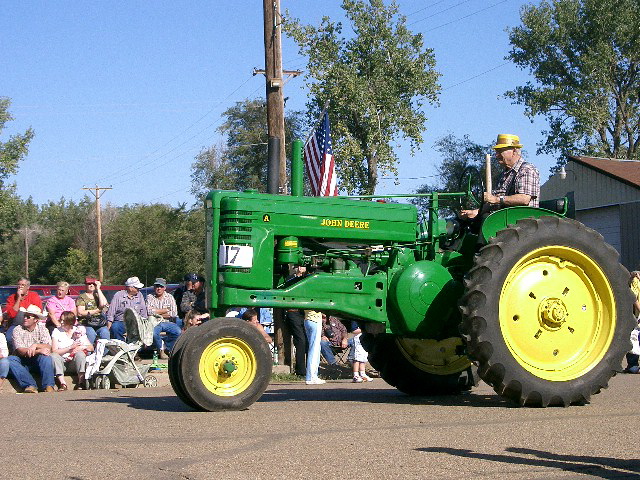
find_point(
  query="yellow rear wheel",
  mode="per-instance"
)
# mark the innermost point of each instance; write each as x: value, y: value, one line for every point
x: 547, y: 312
x: 557, y: 313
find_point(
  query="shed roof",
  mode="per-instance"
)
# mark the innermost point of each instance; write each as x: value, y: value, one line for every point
x: 626, y: 171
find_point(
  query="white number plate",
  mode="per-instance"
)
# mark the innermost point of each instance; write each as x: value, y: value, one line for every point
x: 238, y: 256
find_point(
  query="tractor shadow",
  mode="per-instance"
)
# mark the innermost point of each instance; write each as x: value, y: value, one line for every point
x: 600, y: 467
x: 377, y: 395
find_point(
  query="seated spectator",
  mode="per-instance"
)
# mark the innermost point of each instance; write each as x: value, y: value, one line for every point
x: 92, y: 305
x: 194, y: 299
x: 251, y: 316
x: 32, y: 344
x: 178, y: 293
x: 163, y: 305
x: 130, y: 297
x: 334, y: 334
x: 70, y: 346
x: 4, y: 359
x: 193, y: 318
x: 57, y: 304
x: 22, y: 298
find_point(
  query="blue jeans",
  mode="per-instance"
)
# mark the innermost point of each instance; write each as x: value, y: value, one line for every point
x: 172, y: 332
x: 99, y: 332
x: 4, y: 367
x: 314, y: 332
x: 327, y: 352
x: 22, y: 366
x: 118, y: 330
x: 9, y: 336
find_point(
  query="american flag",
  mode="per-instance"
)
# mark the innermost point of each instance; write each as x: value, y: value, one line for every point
x: 318, y: 157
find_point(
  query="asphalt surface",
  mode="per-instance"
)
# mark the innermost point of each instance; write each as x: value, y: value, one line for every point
x: 338, y: 430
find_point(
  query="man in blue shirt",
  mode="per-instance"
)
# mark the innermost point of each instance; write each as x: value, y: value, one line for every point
x: 130, y: 297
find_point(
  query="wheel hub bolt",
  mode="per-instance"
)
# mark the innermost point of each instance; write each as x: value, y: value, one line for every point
x: 553, y: 313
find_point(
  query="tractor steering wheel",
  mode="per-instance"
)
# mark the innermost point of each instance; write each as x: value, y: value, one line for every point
x: 471, y: 181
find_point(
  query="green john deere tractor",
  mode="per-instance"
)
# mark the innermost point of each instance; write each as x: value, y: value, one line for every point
x: 534, y: 303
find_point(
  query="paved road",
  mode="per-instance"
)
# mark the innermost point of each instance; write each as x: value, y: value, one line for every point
x: 338, y: 430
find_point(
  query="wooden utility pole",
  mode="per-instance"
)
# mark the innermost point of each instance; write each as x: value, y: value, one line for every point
x: 274, y: 83
x: 27, y: 235
x: 98, y: 194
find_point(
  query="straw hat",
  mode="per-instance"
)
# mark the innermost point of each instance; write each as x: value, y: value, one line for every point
x: 506, y: 140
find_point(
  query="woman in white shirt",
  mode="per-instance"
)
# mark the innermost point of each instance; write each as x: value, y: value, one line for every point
x: 69, y: 349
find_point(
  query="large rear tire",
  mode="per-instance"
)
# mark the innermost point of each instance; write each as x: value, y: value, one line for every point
x: 547, y: 312
x: 226, y: 366
x: 420, y: 367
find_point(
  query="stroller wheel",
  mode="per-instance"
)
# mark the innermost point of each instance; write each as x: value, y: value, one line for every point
x: 150, y: 381
x: 97, y: 382
x: 106, y: 382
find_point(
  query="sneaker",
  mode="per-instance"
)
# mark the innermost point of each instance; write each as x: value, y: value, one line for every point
x: 162, y: 355
x: 357, y: 380
x: 366, y: 378
x: 315, y: 381
x: 30, y: 390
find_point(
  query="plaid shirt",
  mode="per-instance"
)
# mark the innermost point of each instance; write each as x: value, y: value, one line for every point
x: 23, y: 338
x: 165, y: 301
x: 121, y: 301
x: 524, y: 178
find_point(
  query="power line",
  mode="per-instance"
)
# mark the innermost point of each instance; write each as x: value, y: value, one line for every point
x: 475, y: 76
x: 117, y: 175
x: 438, y: 13
x: 424, y: 8
x: 467, y: 16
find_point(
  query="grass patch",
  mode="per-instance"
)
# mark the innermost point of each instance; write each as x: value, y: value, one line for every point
x: 285, y: 377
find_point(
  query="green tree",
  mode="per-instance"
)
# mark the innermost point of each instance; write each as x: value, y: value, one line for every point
x: 150, y: 241
x: 377, y: 82
x: 584, y: 57
x: 459, y: 159
x: 12, y: 151
x: 73, y: 267
x: 242, y: 162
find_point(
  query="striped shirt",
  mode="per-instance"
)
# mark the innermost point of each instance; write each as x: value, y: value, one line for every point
x: 121, y: 301
x: 165, y: 301
x: 23, y: 338
x: 523, y: 178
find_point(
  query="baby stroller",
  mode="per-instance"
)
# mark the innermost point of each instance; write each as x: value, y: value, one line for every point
x: 113, y: 361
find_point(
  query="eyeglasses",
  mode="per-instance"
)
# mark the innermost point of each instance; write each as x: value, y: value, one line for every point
x: 87, y: 284
x: 159, y: 286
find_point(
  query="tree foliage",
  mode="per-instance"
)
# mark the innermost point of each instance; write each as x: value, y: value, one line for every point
x: 241, y: 162
x: 584, y: 56
x: 150, y: 241
x: 375, y: 82
x: 460, y: 157
x: 12, y: 151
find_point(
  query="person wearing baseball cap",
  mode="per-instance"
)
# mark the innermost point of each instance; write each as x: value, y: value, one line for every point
x: 519, y: 182
x: 178, y: 293
x: 163, y: 305
x: 130, y: 297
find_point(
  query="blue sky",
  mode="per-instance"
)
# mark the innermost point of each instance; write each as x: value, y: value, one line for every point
x: 125, y: 94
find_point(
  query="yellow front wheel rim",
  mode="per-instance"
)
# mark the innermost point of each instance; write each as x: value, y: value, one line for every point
x: 557, y: 313
x: 227, y: 366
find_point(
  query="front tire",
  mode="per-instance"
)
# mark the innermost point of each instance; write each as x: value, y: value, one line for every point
x: 547, y: 312
x: 226, y: 366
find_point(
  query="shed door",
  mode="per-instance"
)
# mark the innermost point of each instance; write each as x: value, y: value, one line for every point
x: 605, y: 220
